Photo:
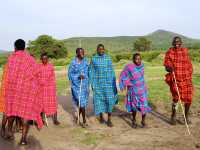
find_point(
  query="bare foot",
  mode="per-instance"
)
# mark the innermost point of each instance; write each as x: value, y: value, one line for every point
x: 134, y: 124
x: 3, y: 132
x: 23, y: 142
x: 110, y: 124
x: 56, y: 122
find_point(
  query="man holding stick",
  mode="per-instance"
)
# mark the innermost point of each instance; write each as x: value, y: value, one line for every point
x: 179, y: 66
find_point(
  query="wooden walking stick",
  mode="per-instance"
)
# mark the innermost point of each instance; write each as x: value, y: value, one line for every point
x: 79, y: 100
x: 197, y: 145
x: 179, y: 100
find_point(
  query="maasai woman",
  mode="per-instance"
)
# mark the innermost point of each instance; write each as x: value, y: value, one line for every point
x: 177, y: 61
x: 103, y: 82
x: 132, y: 78
x: 78, y: 75
x: 48, y: 89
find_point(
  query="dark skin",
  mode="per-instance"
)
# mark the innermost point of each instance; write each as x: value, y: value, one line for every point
x: 177, y: 45
x: 101, y: 51
x: 3, y: 127
x: 45, y: 61
x: 137, y: 61
x: 80, y: 56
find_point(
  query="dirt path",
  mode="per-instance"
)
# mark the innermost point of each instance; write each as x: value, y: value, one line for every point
x: 159, y: 135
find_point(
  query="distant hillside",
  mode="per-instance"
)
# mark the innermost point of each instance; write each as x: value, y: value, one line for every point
x: 161, y: 40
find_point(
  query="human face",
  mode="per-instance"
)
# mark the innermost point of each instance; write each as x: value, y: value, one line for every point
x: 177, y: 43
x: 80, y: 54
x: 44, y: 60
x: 137, y: 60
x: 100, y: 50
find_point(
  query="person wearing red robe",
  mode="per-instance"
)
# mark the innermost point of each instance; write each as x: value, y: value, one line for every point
x: 22, y: 90
x: 48, y: 89
x: 177, y: 62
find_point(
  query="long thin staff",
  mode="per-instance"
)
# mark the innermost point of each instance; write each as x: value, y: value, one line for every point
x: 179, y: 100
x: 79, y: 101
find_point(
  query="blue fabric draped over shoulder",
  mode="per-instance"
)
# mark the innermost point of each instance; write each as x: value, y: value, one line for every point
x: 75, y: 69
x: 103, y: 83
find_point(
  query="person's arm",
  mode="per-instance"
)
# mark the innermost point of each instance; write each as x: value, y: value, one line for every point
x: 91, y: 73
x: 70, y: 72
x: 168, y: 62
x: 169, y: 69
x: 114, y: 77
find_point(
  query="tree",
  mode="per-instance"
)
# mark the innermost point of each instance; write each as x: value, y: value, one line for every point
x: 142, y: 44
x: 45, y: 43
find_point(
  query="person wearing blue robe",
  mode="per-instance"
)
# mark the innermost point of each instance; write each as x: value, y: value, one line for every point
x: 78, y: 76
x: 103, y: 83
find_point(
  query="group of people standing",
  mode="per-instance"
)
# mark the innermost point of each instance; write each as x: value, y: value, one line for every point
x: 29, y: 89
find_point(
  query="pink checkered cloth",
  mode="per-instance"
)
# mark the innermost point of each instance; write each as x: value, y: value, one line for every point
x: 22, y: 88
x: 48, y: 89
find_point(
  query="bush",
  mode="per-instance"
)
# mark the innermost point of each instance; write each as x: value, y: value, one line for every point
x: 149, y: 56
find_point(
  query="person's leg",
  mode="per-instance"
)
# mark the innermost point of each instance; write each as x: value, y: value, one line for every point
x: 3, y: 125
x: 187, y: 109
x: 134, y: 124
x: 109, y: 122
x: 24, y: 132
x: 173, y: 115
x: 19, y: 124
x: 10, y: 134
x: 83, y: 114
x: 143, y: 120
x: 84, y: 117
x: 55, y: 119
x: 101, y: 118
x: 42, y: 114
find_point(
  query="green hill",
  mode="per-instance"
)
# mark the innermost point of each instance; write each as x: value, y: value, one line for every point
x: 161, y: 40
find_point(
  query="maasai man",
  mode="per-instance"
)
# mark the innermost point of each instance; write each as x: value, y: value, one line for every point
x: 22, y: 90
x: 177, y: 60
x: 48, y: 96
x: 78, y: 75
x: 132, y: 78
x: 103, y: 82
x: 2, y: 101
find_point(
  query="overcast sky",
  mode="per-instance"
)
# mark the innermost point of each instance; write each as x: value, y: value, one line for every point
x: 62, y: 19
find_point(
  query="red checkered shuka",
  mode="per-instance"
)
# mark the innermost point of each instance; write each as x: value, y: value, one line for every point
x: 2, y: 89
x: 22, y: 87
x: 180, y: 61
x: 48, y: 89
